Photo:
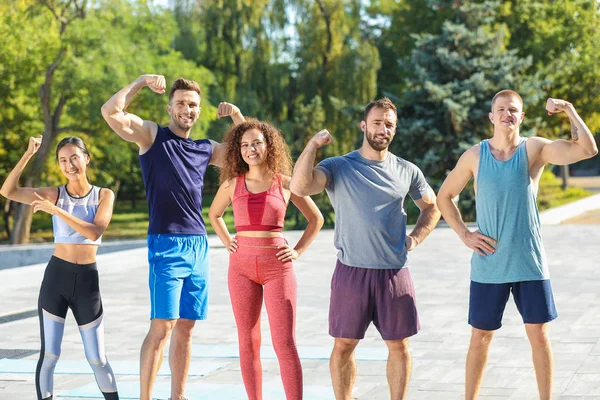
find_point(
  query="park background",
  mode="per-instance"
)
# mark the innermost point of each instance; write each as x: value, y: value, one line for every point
x: 304, y: 65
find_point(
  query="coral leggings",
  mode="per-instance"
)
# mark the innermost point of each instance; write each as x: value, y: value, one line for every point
x: 254, y: 273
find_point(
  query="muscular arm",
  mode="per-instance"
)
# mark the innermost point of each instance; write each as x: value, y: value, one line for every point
x: 10, y: 188
x: 453, y: 185
x: 428, y: 218
x: 563, y: 152
x: 129, y: 126
x: 307, y: 180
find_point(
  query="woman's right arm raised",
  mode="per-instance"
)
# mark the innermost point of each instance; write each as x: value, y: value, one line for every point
x: 10, y: 188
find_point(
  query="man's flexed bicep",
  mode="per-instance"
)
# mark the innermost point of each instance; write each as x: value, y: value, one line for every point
x: 129, y: 126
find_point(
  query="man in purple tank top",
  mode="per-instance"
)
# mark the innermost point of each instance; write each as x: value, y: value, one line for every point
x: 508, y: 255
x: 173, y: 168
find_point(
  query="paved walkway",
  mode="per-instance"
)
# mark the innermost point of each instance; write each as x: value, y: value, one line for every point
x: 440, y: 267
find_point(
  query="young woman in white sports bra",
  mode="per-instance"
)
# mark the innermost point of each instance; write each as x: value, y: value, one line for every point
x: 80, y: 214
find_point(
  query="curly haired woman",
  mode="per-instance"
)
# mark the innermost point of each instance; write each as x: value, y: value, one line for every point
x: 256, y: 182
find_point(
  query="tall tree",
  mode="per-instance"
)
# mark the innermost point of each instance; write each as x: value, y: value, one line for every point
x: 83, y: 57
x: 444, y: 109
x: 563, y: 39
x: 52, y: 99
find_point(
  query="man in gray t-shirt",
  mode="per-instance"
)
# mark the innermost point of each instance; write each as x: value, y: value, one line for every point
x: 367, y: 188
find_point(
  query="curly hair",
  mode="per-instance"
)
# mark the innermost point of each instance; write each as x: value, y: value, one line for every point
x: 278, y: 153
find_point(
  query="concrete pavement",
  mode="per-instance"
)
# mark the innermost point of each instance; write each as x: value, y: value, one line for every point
x: 440, y: 268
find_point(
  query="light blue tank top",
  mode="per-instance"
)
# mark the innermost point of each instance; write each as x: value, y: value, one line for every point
x: 507, y: 212
x: 83, y: 208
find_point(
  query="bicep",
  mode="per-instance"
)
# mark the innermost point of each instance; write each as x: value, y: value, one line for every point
x: 27, y: 195
x: 319, y: 181
x: 131, y: 127
x: 561, y: 152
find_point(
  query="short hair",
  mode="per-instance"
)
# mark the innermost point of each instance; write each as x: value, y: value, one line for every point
x: 506, y: 93
x: 184, y: 84
x: 384, y: 103
x: 72, y: 141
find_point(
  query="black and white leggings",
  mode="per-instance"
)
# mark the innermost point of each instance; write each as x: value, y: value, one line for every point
x: 74, y: 286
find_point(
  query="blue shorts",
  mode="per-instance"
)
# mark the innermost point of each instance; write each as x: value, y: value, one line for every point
x: 178, y: 276
x: 487, y: 302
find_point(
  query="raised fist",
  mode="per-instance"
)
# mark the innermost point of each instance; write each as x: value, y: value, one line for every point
x: 554, y: 106
x: 322, y: 137
x: 156, y: 83
x: 34, y: 145
x: 227, y: 110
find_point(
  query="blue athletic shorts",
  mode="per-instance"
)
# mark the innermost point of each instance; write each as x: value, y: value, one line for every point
x: 178, y: 276
x: 487, y: 302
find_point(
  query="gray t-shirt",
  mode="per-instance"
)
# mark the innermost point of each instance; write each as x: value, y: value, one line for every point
x: 368, y: 200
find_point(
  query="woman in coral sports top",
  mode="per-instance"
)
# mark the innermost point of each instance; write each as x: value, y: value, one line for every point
x: 255, y: 180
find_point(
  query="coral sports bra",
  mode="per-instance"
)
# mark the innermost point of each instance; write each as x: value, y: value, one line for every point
x: 264, y: 211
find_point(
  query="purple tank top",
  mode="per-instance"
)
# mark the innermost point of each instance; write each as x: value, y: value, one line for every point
x: 173, y: 172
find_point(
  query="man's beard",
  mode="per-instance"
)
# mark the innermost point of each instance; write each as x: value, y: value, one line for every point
x: 375, y: 145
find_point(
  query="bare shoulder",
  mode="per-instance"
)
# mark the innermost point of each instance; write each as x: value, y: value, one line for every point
x: 229, y: 184
x: 537, y: 142
x: 107, y: 194
x: 471, y: 156
x: 534, y: 147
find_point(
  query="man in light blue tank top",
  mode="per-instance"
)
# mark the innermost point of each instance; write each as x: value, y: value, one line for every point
x: 371, y: 283
x: 173, y: 168
x: 508, y: 253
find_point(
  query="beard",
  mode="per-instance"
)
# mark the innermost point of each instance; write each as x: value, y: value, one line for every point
x: 377, y: 145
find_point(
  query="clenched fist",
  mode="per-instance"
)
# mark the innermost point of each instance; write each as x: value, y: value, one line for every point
x: 322, y: 138
x: 227, y: 110
x: 156, y: 83
x: 554, y: 106
x: 34, y: 145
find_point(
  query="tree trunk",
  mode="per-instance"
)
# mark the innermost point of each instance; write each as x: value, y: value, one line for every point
x: 51, y: 115
x: 7, y: 207
x: 565, y: 176
x: 22, y: 227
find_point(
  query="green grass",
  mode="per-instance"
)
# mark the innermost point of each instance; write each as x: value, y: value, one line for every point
x: 551, y: 194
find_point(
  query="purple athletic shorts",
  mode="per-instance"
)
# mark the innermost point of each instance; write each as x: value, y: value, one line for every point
x: 362, y: 295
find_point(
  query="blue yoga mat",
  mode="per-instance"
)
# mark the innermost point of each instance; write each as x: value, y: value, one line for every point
x: 195, y: 391
x: 305, y: 352
x: 120, y: 367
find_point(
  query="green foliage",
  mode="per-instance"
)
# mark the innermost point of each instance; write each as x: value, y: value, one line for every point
x: 563, y: 39
x: 444, y: 109
x: 304, y: 65
x: 551, y: 193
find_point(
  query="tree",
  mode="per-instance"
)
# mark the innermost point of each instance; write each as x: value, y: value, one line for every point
x: 82, y: 58
x: 444, y: 109
x: 563, y: 40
